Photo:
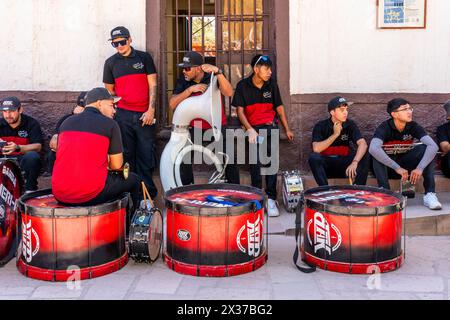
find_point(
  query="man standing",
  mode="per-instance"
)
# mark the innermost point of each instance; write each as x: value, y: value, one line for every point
x: 332, y: 156
x: 131, y: 74
x: 195, y: 80
x: 88, y: 145
x: 409, y: 165
x: 258, y: 102
x: 443, y: 138
x: 79, y: 108
x: 23, y: 136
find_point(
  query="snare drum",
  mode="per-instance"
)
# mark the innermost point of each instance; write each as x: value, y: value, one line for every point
x: 146, y: 235
x: 292, y: 189
x: 353, y: 229
x: 215, y: 230
x: 10, y: 191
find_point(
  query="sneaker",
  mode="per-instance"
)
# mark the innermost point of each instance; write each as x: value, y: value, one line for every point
x: 272, y: 209
x: 431, y: 201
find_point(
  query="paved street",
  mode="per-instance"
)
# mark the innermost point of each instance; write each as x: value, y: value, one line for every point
x: 425, y: 275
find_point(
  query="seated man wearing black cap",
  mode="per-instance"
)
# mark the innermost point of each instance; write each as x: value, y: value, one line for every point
x: 79, y: 108
x: 332, y: 155
x: 195, y: 80
x: 410, y: 162
x: 443, y: 138
x: 88, y: 145
x: 23, y: 136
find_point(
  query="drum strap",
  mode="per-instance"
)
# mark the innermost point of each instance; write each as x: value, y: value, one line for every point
x: 308, y: 268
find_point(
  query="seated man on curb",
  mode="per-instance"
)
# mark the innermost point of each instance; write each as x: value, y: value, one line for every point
x: 24, y: 139
x: 88, y: 145
x: 409, y: 165
x: 51, y: 157
x: 333, y: 157
x: 443, y: 138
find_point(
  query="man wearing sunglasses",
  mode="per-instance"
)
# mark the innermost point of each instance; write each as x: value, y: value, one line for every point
x: 194, y: 81
x: 259, y: 105
x: 131, y: 74
x: 408, y: 163
x: 88, y: 145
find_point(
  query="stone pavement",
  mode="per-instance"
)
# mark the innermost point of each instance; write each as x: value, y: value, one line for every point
x: 425, y: 275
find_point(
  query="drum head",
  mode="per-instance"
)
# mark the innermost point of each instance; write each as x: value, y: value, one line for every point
x: 11, y: 189
x: 155, y: 235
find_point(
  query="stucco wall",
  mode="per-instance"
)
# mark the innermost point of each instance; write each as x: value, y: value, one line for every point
x: 336, y: 47
x: 61, y: 45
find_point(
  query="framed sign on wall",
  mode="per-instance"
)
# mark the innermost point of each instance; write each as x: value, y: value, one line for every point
x: 401, y: 14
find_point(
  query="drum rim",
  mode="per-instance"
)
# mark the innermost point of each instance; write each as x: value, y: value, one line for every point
x: 68, y: 212
x: 15, y: 163
x: 211, y: 211
x: 362, y: 212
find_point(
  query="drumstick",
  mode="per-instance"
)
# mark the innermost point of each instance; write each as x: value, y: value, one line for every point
x: 147, y: 194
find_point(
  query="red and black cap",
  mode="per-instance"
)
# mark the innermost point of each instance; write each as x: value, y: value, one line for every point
x: 10, y: 104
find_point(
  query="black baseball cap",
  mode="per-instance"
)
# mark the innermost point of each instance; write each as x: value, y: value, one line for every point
x: 191, y: 59
x: 337, y: 102
x: 119, y: 32
x: 97, y: 94
x: 81, y: 101
x: 10, y: 104
x: 447, y: 108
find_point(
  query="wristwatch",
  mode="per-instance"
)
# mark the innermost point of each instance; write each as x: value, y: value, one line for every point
x: 17, y: 148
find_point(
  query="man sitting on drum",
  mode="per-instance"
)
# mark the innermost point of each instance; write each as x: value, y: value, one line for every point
x: 88, y: 145
x: 443, y: 137
x: 332, y: 155
x: 395, y: 154
x: 21, y: 138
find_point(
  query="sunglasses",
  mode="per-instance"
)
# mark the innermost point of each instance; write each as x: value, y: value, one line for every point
x: 119, y: 43
x: 263, y: 58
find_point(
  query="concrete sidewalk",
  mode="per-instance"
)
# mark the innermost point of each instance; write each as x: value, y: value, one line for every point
x: 425, y: 275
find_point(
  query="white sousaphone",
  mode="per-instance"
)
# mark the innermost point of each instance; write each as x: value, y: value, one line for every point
x: 207, y: 107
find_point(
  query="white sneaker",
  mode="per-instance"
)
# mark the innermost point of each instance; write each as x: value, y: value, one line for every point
x: 431, y: 201
x: 272, y: 209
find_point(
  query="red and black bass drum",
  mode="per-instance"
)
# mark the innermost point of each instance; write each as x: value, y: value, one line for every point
x: 215, y: 230
x: 10, y: 191
x: 60, y: 242
x: 353, y: 229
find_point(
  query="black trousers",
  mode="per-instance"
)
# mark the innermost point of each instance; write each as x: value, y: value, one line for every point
x: 324, y: 167
x: 445, y: 165
x: 30, y: 164
x: 231, y: 171
x: 255, y: 169
x: 51, y: 158
x: 408, y: 161
x: 139, y: 146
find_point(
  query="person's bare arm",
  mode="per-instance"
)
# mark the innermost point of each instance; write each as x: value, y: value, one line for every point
x: 175, y: 100
x: 282, y: 115
x: 110, y: 88
x: 24, y: 148
x: 321, y: 146
x: 115, y: 161
x: 148, y: 116
x: 252, y: 134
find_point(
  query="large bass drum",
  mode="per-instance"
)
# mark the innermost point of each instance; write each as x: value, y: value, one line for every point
x: 11, y: 185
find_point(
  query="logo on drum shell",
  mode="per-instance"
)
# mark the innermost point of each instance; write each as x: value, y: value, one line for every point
x: 253, y: 236
x: 2, y: 212
x: 184, y: 235
x: 326, y: 238
x: 28, y: 233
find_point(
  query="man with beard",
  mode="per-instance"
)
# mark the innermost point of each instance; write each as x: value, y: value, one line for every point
x: 23, y: 137
x: 194, y: 81
x: 411, y: 164
x: 332, y: 155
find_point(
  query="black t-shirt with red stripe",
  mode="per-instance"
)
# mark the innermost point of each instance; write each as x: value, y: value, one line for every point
x: 129, y: 77
x: 389, y: 134
x: 28, y: 132
x: 341, y: 146
x: 259, y: 104
x: 183, y: 84
x: 81, y: 166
